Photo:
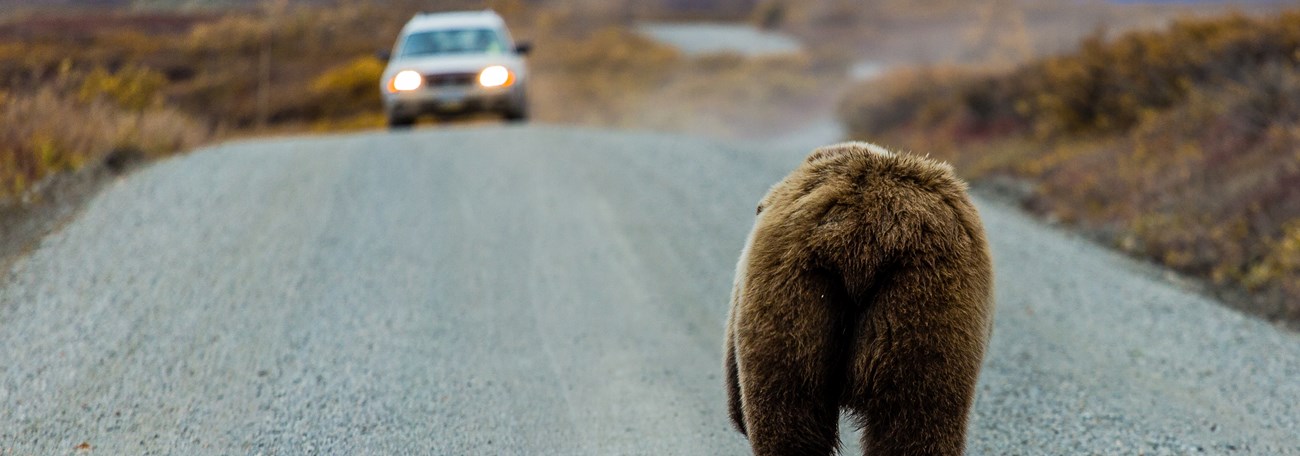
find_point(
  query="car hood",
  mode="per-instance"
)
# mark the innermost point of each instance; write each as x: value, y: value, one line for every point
x: 472, y: 63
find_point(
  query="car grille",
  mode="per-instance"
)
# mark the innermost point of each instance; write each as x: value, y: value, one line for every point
x: 450, y: 80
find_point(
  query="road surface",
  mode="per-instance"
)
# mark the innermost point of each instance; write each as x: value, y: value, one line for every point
x: 540, y: 290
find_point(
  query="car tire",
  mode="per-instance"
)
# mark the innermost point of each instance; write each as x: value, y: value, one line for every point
x: 516, y: 115
x: 395, y: 122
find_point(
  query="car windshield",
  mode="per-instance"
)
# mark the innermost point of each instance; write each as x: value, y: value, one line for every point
x: 454, y: 41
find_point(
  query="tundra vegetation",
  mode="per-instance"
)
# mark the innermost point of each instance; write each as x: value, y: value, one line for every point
x: 78, y: 86
x: 1180, y: 145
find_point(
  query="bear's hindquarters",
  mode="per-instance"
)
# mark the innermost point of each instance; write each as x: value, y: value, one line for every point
x: 912, y: 381
x: 791, y: 359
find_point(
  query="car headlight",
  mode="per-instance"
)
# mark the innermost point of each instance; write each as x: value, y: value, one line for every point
x: 405, y: 80
x: 495, y: 76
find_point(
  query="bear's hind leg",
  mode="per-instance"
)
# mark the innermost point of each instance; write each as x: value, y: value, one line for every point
x: 791, y: 369
x: 914, y: 381
x: 733, y: 376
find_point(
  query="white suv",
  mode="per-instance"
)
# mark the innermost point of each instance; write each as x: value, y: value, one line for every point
x: 446, y: 64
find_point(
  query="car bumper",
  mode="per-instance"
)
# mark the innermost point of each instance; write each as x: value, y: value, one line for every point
x: 453, y: 100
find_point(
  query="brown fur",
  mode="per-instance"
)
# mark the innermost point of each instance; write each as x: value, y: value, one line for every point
x: 865, y: 285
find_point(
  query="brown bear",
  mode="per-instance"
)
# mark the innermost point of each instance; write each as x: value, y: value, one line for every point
x: 866, y: 285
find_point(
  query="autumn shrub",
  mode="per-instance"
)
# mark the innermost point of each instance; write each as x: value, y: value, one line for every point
x: 1180, y: 146
x: 1103, y: 87
x: 905, y: 98
x: 158, y: 82
x: 132, y: 88
x: 350, y: 88
x: 48, y: 132
x: 78, y: 118
x: 1279, y: 270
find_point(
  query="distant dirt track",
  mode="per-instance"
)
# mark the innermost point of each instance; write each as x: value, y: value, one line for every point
x: 541, y: 290
x: 711, y: 38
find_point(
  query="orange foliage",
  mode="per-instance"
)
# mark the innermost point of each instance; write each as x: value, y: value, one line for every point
x: 1182, y: 146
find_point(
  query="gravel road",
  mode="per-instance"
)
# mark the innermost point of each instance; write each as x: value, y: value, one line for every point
x: 541, y: 290
x: 716, y: 37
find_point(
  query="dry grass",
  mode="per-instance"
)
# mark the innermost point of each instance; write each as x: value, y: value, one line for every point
x: 1180, y: 146
x: 52, y: 130
x: 999, y: 32
x: 287, y: 67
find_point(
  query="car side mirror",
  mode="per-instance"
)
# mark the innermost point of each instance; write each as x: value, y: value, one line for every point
x: 383, y: 56
x: 523, y: 48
